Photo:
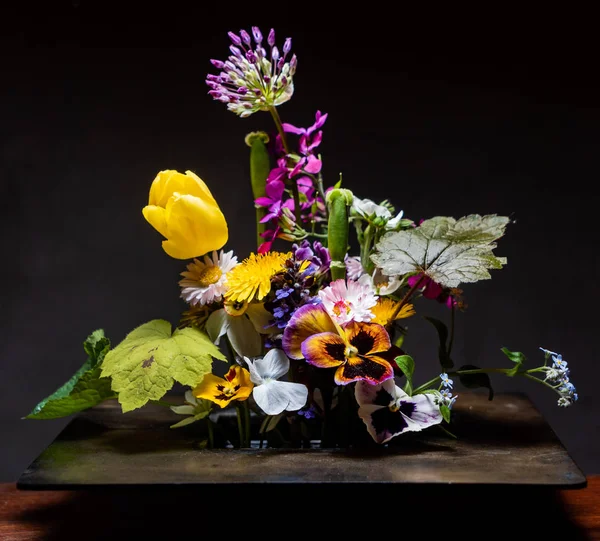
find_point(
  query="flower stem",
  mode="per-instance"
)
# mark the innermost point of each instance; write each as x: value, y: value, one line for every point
x: 247, y: 423
x: 211, y: 433
x: 238, y: 410
x: 533, y: 378
x: 280, y: 130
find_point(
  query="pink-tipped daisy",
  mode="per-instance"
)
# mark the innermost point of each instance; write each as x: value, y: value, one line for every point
x: 349, y: 301
x: 204, y: 281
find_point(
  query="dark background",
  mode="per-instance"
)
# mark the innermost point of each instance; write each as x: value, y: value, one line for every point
x: 442, y: 113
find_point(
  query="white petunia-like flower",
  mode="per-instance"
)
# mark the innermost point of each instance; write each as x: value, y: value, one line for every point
x: 272, y: 396
x: 349, y: 300
x: 204, y: 281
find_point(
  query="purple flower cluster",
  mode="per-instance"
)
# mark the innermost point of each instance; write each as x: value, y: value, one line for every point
x: 297, y: 286
x: 252, y: 79
x: 299, y: 168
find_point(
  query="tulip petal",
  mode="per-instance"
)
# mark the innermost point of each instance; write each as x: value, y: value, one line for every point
x: 324, y: 350
x: 194, y: 227
x: 155, y: 216
x: 368, y: 368
x: 367, y: 337
x: 306, y: 321
x: 169, y: 181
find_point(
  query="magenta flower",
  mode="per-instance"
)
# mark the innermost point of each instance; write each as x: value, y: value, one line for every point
x: 433, y: 290
x: 319, y: 122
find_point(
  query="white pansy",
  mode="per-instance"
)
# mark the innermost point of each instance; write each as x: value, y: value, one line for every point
x: 272, y: 396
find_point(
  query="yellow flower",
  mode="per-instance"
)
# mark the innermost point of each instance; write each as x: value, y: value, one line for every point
x: 236, y: 385
x: 182, y: 209
x: 251, y: 279
x: 384, y: 310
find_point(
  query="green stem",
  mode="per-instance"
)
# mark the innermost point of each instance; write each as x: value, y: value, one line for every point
x: 238, y: 411
x: 294, y: 184
x: 247, y: 423
x: 533, y: 378
x: 452, y: 318
x: 211, y: 433
x: 365, y: 249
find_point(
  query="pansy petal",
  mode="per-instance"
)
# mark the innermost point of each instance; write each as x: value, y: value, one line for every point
x: 324, y: 350
x: 367, y: 337
x: 255, y: 377
x: 275, y: 397
x: 243, y: 336
x: 382, y: 394
x: 273, y: 365
x: 211, y: 387
x: 425, y: 412
x: 382, y: 424
x: 306, y: 321
x: 371, y: 369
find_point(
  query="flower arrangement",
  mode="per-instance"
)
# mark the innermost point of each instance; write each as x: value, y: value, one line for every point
x: 308, y: 341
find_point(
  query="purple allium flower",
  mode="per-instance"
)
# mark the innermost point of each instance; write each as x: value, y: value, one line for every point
x: 253, y: 80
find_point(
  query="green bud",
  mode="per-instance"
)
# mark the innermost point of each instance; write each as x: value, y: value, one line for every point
x: 260, y: 167
x: 338, y: 202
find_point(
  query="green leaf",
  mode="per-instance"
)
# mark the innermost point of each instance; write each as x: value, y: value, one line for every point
x: 407, y: 365
x: 516, y: 357
x: 85, y: 388
x: 445, y: 411
x: 90, y: 390
x: 442, y: 331
x: 146, y: 364
x: 269, y: 423
x: 96, y: 346
x: 446, y: 250
x: 473, y: 381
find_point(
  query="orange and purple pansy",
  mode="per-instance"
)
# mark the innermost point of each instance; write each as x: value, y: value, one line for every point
x: 360, y: 351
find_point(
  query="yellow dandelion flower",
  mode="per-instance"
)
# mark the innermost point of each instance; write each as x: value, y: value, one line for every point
x: 251, y: 279
x: 385, y: 308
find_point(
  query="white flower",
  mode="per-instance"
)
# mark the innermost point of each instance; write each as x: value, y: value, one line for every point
x: 195, y: 408
x: 354, y: 268
x: 349, y: 301
x: 204, y: 282
x: 369, y: 210
x: 384, y: 285
x: 270, y: 395
x: 243, y: 324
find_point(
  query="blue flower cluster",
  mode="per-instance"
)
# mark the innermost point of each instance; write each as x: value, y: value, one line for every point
x: 558, y: 374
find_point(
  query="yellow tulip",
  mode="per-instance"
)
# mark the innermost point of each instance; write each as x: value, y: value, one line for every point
x: 182, y: 209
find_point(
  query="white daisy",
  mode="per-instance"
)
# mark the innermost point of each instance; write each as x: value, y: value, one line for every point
x: 349, y: 301
x: 204, y: 281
